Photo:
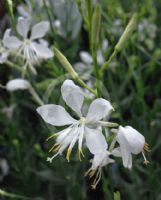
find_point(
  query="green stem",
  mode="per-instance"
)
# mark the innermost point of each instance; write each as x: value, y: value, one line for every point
x: 35, y: 96
x: 68, y: 67
x: 12, y: 65
x: 49, y: 17
x: 106, y: 64
x: 82, y: 83
x: 97, y: 74
x: 14, y: 196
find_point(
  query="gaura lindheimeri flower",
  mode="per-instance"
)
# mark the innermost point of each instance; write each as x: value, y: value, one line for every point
x: 97, y: 145
x: 17, y: 84
x: 29, y: 47
x: 131, y: 142
x: 4, y: 53
x: 78, y: 129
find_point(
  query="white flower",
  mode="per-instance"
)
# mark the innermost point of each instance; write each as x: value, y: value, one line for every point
x: 131, y: 142
x: 31, y: 50
x: 3, y: 51
x: 86, y: 57
x: 56, y: 115
x: 97, y: 145
x: 17, y: 84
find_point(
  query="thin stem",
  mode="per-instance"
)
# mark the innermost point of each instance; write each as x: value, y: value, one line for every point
x: 49, y: 17
x: 97, y: 74
x: 83, y: 84
x: 14, y: 196
x: 36, y: 96
x: 106, y: 64
x: 12, y: 65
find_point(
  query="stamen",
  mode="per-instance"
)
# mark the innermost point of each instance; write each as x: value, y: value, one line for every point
x: 146, y: 147
x: 68, y: 154
x: 54, y: 147
x: 52, y: 136
x: 97, y: 179
x: 145, y: 160
x: 80, y: 154
x: 49, y: 159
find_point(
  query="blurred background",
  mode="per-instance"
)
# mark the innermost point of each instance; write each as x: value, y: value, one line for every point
x: 132, y: 83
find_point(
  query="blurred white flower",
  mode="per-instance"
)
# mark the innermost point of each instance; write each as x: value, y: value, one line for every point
x: 4, y: 168
x: 97, y: 145
x: 8, y: 111
x: 4, y: 53
x: 56, y: 115
x: 30, y: 49
x: 17, y: 84
x: 86, y: 57
x: 131, y: 142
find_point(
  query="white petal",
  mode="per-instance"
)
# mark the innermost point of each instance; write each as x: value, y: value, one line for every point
x: 117, y: 152
x: 95, y: 140
x: 39, y: 30
x: 86, y: 57
x: 101, y: 160
x: 104, y: 44
x: 100, y: 57
x: 126, y: 157
x: 42, y: 51
x: 17, y: 84
x: 12, y: 42
x: 134, y: 140
x: 63, y: 134
x: 23, y: 26
x: 7, y: 33
x: 55, y: 115
x: 72, y: 95
x: 98, y: 109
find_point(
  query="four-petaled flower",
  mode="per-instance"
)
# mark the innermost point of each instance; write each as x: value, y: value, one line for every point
x: 79, y: 129
x: 31, y: 50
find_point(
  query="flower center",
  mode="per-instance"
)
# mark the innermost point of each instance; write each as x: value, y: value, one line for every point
x: 27, y: 41
x: 83, y: 120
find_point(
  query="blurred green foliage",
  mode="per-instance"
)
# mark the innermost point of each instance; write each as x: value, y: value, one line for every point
x: 133, y: 82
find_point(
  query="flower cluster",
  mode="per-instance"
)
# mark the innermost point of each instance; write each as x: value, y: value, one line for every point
x: 88, y: 129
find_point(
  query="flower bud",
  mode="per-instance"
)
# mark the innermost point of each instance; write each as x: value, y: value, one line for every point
x: 63, y: 60
x: 127, y: 33
x: 96, y: 23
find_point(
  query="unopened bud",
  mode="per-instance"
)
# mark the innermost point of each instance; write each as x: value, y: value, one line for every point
x: 127, y: 33
x: 63, y: 60
x: 96, y: 23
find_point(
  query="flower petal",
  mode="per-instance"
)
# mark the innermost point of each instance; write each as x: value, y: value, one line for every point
x: 39, y: 30
x: 86, y: 57
x: 72, y: 95
x: 23, y: 26
x: 55, y: 115
x: 17, y: 84
x: 133, y: 139
x: 42, y: 51
x: 12, y: 42
x: 98, y: 109
x: 95, y: 140
x: 126, y: 157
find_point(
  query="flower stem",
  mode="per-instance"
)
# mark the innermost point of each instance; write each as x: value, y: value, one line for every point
x: 83, y: 84
x: 122, y: 41
x: 14, y: 196
x: 12, y: 65
x: 49, y: 17
x: 68, y: 67
x: 35, y: 96
x: 106, y: 64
